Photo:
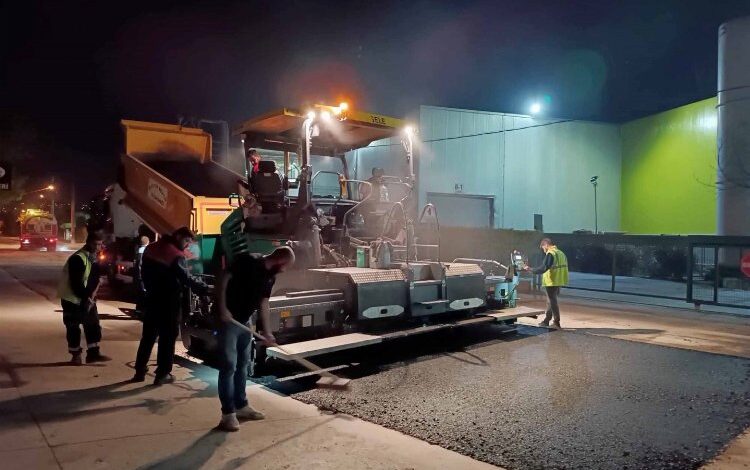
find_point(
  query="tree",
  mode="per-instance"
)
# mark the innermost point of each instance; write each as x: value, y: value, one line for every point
x: 20, y: 146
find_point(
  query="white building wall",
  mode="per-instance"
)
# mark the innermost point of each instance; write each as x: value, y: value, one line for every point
x: 557, y: 161
x: 530, y: 166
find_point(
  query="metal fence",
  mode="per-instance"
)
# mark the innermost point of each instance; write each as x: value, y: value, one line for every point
x: 695, y: 269
x: 716, y: 271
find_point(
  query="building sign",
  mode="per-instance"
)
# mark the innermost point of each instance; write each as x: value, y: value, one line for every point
x: 5, y: 176
x: 157, y: 193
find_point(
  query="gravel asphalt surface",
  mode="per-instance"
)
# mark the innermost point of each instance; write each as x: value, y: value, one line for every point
x: 558, y: 399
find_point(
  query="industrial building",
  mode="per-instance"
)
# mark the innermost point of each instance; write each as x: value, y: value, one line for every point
x: 656, y: 175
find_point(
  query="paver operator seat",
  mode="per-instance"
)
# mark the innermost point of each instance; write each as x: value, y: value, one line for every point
x: 264, y: 200
x: 268, y: 187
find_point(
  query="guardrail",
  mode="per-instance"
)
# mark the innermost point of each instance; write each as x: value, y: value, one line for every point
x: 694, y: 269
x: 717, y: 275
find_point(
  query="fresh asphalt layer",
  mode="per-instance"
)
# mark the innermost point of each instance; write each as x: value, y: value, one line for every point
x: 556, y: 399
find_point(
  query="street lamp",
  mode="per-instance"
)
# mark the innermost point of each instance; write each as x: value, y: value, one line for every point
x: 594, y: 181
x: 49, y: 187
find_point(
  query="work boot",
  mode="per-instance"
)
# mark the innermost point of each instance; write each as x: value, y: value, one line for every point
x: 248, y: 413
x: 75, y: 359
x: 138, y: 377
x: 164, y: 379
x: 229, y: 423
x: 556, y: 325
x: 93, y: 355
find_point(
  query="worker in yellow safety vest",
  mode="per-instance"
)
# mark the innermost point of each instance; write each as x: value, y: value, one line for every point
x: 77, y: 291
x: 554, y: 273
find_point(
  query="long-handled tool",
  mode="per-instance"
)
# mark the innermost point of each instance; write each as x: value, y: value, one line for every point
x: 327, y: 379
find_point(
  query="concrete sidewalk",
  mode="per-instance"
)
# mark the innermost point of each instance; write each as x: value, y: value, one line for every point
x: 54, y: 415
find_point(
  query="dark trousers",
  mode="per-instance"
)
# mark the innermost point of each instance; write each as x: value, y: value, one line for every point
x: 160, y: 321
x: 75, y: 316
x: 553, y: 307
x: 234, y: 347
x: 140, y: 301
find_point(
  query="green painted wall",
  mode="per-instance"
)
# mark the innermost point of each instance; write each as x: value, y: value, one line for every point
x: 669, y: 171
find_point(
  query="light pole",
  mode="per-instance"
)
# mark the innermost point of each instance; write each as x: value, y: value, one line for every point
x: 305, y: 177
x: 49, y: 187
x: 594, y: 182
x: 72, y: 212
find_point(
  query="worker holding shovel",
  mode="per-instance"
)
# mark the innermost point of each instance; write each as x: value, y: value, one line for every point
x: 244, y: 289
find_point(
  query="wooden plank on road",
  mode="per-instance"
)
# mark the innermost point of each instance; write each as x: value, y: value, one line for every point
x: 316, y: 347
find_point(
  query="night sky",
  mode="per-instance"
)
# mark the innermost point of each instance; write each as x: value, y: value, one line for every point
x: 71, y: 70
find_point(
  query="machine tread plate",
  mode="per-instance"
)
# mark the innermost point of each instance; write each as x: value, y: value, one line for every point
x: 366, y: 275
x: 462, y: 269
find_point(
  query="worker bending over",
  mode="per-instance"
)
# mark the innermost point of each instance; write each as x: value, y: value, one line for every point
x: 243, y: 290
x: 77, y: 291
x: 554, y: 273
x: 165, y: 278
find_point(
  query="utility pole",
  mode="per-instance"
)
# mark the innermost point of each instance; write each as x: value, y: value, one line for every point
x: 52, y: 202
x: 594, y: 182
x: 72, y: 212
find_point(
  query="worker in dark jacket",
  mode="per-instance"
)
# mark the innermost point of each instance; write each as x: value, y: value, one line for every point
x: 165, y: 277
x: 554, y: 273
x: 77, y: 291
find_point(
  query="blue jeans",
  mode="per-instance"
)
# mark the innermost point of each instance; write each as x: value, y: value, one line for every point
x: 234, y: 348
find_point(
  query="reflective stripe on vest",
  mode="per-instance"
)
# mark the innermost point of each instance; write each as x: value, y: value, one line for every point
x: 63, y: 288
x: 557, y: 275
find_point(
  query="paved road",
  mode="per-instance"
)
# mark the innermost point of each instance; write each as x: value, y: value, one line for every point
x: 560, y: 400
x: 537, y: 399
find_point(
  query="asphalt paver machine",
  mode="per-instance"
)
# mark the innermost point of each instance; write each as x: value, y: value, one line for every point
x: 368, y: 267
